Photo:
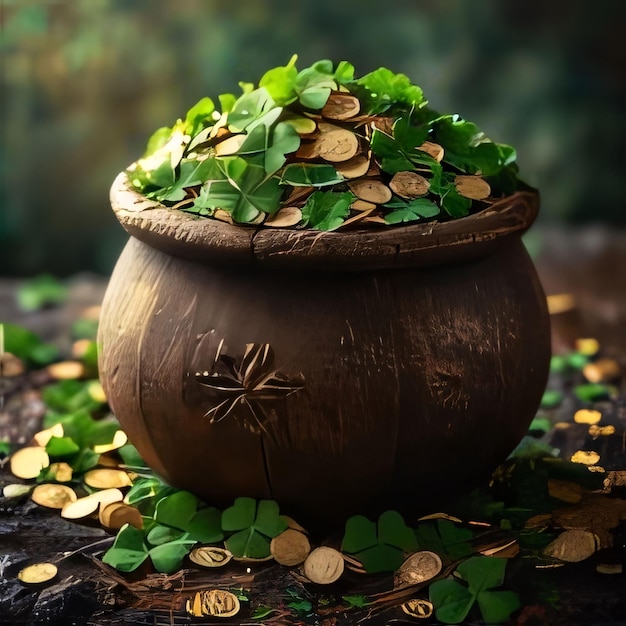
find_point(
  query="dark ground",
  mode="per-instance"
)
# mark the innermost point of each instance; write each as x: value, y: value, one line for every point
x: 589, y: 264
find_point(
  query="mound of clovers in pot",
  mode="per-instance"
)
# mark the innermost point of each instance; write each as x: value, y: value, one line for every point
x: 321, y: 149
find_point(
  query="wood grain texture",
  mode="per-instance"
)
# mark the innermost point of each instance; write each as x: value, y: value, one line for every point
x: 418, y: 380
x: 207, y: 240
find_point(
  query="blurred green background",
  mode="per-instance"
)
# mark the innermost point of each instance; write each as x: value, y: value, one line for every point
x: 85, y: 82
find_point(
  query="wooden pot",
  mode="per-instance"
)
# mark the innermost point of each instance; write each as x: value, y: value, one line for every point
x: 336, y: 372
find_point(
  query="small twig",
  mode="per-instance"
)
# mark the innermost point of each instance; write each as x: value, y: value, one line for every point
x: 5, y: 560
x: 102, y: 542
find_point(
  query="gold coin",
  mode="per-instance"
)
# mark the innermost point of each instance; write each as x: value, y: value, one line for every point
x: 421, y: 609
x: 418, y: 568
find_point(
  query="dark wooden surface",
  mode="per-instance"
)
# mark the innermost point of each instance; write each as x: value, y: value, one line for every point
x: 589, y: 264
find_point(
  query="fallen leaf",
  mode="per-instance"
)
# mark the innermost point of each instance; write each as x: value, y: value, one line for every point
x: 370, y: 190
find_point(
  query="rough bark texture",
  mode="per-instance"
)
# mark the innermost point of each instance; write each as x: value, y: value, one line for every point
x: 206, y: 240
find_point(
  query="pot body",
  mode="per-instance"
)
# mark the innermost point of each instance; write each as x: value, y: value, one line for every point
x: 332, y: 392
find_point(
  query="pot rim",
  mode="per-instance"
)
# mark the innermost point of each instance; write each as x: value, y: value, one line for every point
x: 207, y: 240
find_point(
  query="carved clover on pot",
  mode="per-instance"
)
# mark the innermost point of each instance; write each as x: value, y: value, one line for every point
x: 247, y: 388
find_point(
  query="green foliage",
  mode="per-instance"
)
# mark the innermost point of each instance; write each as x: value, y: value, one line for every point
x: 41, y: 292
x: 176, y: 510
x: 454, y: 204
x: 356, y: 601
x: 453, y: 600
x: 411, y: 210
x: 158, y: 535
x: 379, y: 547
x: 248, y: 108
x: 62, y: 447
x: 314, y: 84
x: 568, y: 363
x: 310, y: 175
x: 261, y: 612
x: 326, y: 210
x: 72, y: 404
x: 181, y: 511
x: 311, y: 86
x: 81, y: 432
x: 242, y: 189
x: 205, y: 525
x: 395, y: 156
x: 26, y: 345
x: 146, y: 492
x: 280, y: 82
x: 467, y: 148
x: 411, y: 130
x: 199, y: 116
x: 301, y: 605
x: 68, y: 396
x: 444, y: 537
x: 574, y: 472
x: 131, y: 457
x: 168, y: 557
x: 542, y: 424
x: 85, y: 328
x: 551, y: 399
x: 592, y: 392
x: 174, y: 522
x: 383, y: 89
x: 251, y: 176
x: 128, y: 551
x: 83, y: 429
x: 251, y: 526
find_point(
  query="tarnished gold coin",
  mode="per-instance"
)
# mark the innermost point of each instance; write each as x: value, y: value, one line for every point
x: 37, y: 573
x: 52, y: 495
x: 418, y: 568
x: 587, y: 416
x: 285, y: 217
x: 290, y: 548
x: 324, y: 565
x: 418, y: 608
x: 434, y: 149
x: 473, y: 187
x: 573, y: 545
x: 209, y: 556
x: 337, y: 145
x: 341, y: 106
x: 28, y: 462
x: 213, y: 602
x: 586, y: 457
